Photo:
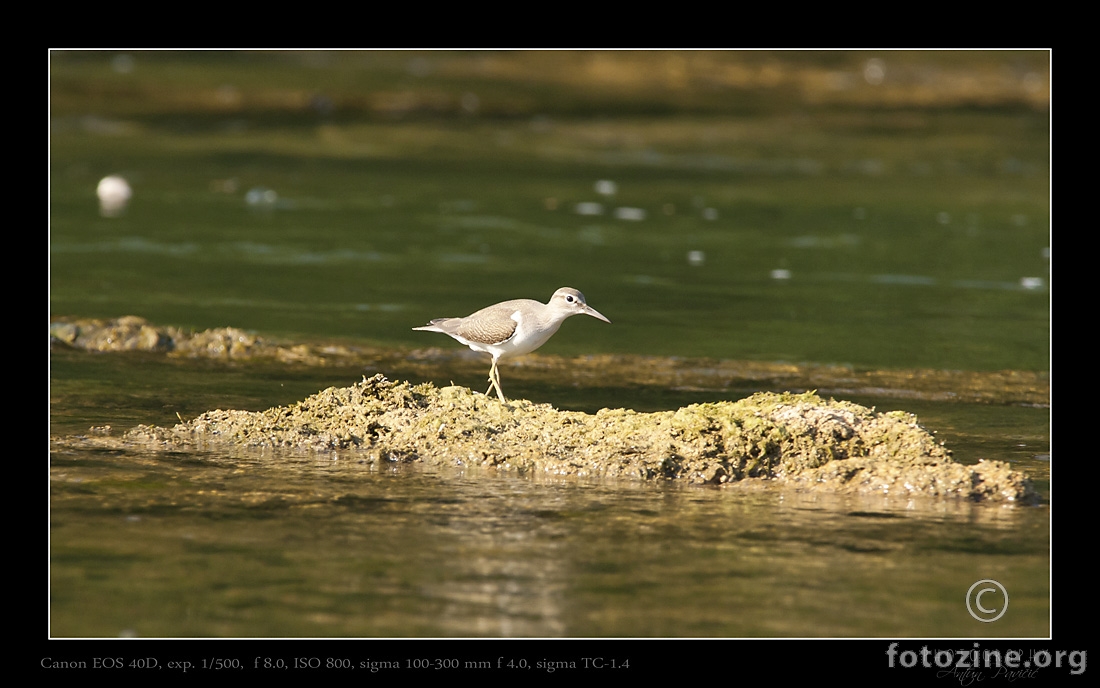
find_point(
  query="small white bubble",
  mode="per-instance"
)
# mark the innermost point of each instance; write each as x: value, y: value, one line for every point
x: 114, y: 194
x: 780, y: 274
x: 633, y: 214
x: 696, y: 258
x: 260, y: 197
x: 710, y: 214
x: 588, y: 208
x: 874, y: 71
x: 1031, y: 282
x: 606, y: 187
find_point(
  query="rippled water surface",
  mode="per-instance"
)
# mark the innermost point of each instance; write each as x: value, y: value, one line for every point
x: 355, y: 198
x: 216, y: 544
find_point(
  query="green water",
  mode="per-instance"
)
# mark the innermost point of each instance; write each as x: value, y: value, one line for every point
x: 906, y: 236
x: 214, y: 545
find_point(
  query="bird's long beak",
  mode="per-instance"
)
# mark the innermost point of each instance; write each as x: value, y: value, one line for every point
x: 589, y: 310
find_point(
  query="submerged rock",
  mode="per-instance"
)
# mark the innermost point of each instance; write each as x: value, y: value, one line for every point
x: 132, y: 333
x: 128, y: 333
x: 798, y: 439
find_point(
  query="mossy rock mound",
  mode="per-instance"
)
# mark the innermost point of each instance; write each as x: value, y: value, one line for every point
x: 794, y: 438
x: 131, y: 333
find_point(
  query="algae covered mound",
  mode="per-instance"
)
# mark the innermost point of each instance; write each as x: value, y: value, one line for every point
x: 132, y: 333
x: 795, y: 438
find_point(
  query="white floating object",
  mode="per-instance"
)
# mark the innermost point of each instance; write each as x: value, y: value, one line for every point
x: 874, y: 71
x: 696, y: 258
x: 1031, y: 282
x: 710, y: 214
x: 259, y: 197
x: 588, y: 208
x: 781, y: 274
x: 606, y: 187
x: 634, y: 214
x: 114, y: 194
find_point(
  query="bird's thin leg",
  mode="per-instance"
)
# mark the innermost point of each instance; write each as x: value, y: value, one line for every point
x: 491, y: 380
x: 500, y: 392
x: 494, y: 381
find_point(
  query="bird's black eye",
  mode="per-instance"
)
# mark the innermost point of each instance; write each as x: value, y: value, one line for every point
x: 569, y: 299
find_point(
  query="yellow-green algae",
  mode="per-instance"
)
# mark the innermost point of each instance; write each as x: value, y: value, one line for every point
x: 798, y: 439
x: 132, y: 333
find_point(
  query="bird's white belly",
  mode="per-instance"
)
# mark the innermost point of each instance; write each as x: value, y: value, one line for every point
x: 528, y: 336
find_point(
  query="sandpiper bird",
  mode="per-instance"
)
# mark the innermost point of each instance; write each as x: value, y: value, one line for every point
x: 513, y: 328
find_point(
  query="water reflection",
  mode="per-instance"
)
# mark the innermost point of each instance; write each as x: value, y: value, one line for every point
x: 265, y: 544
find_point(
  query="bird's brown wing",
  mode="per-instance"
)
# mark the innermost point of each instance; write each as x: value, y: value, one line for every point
x: 491, y: 325
x: 488, y: 330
